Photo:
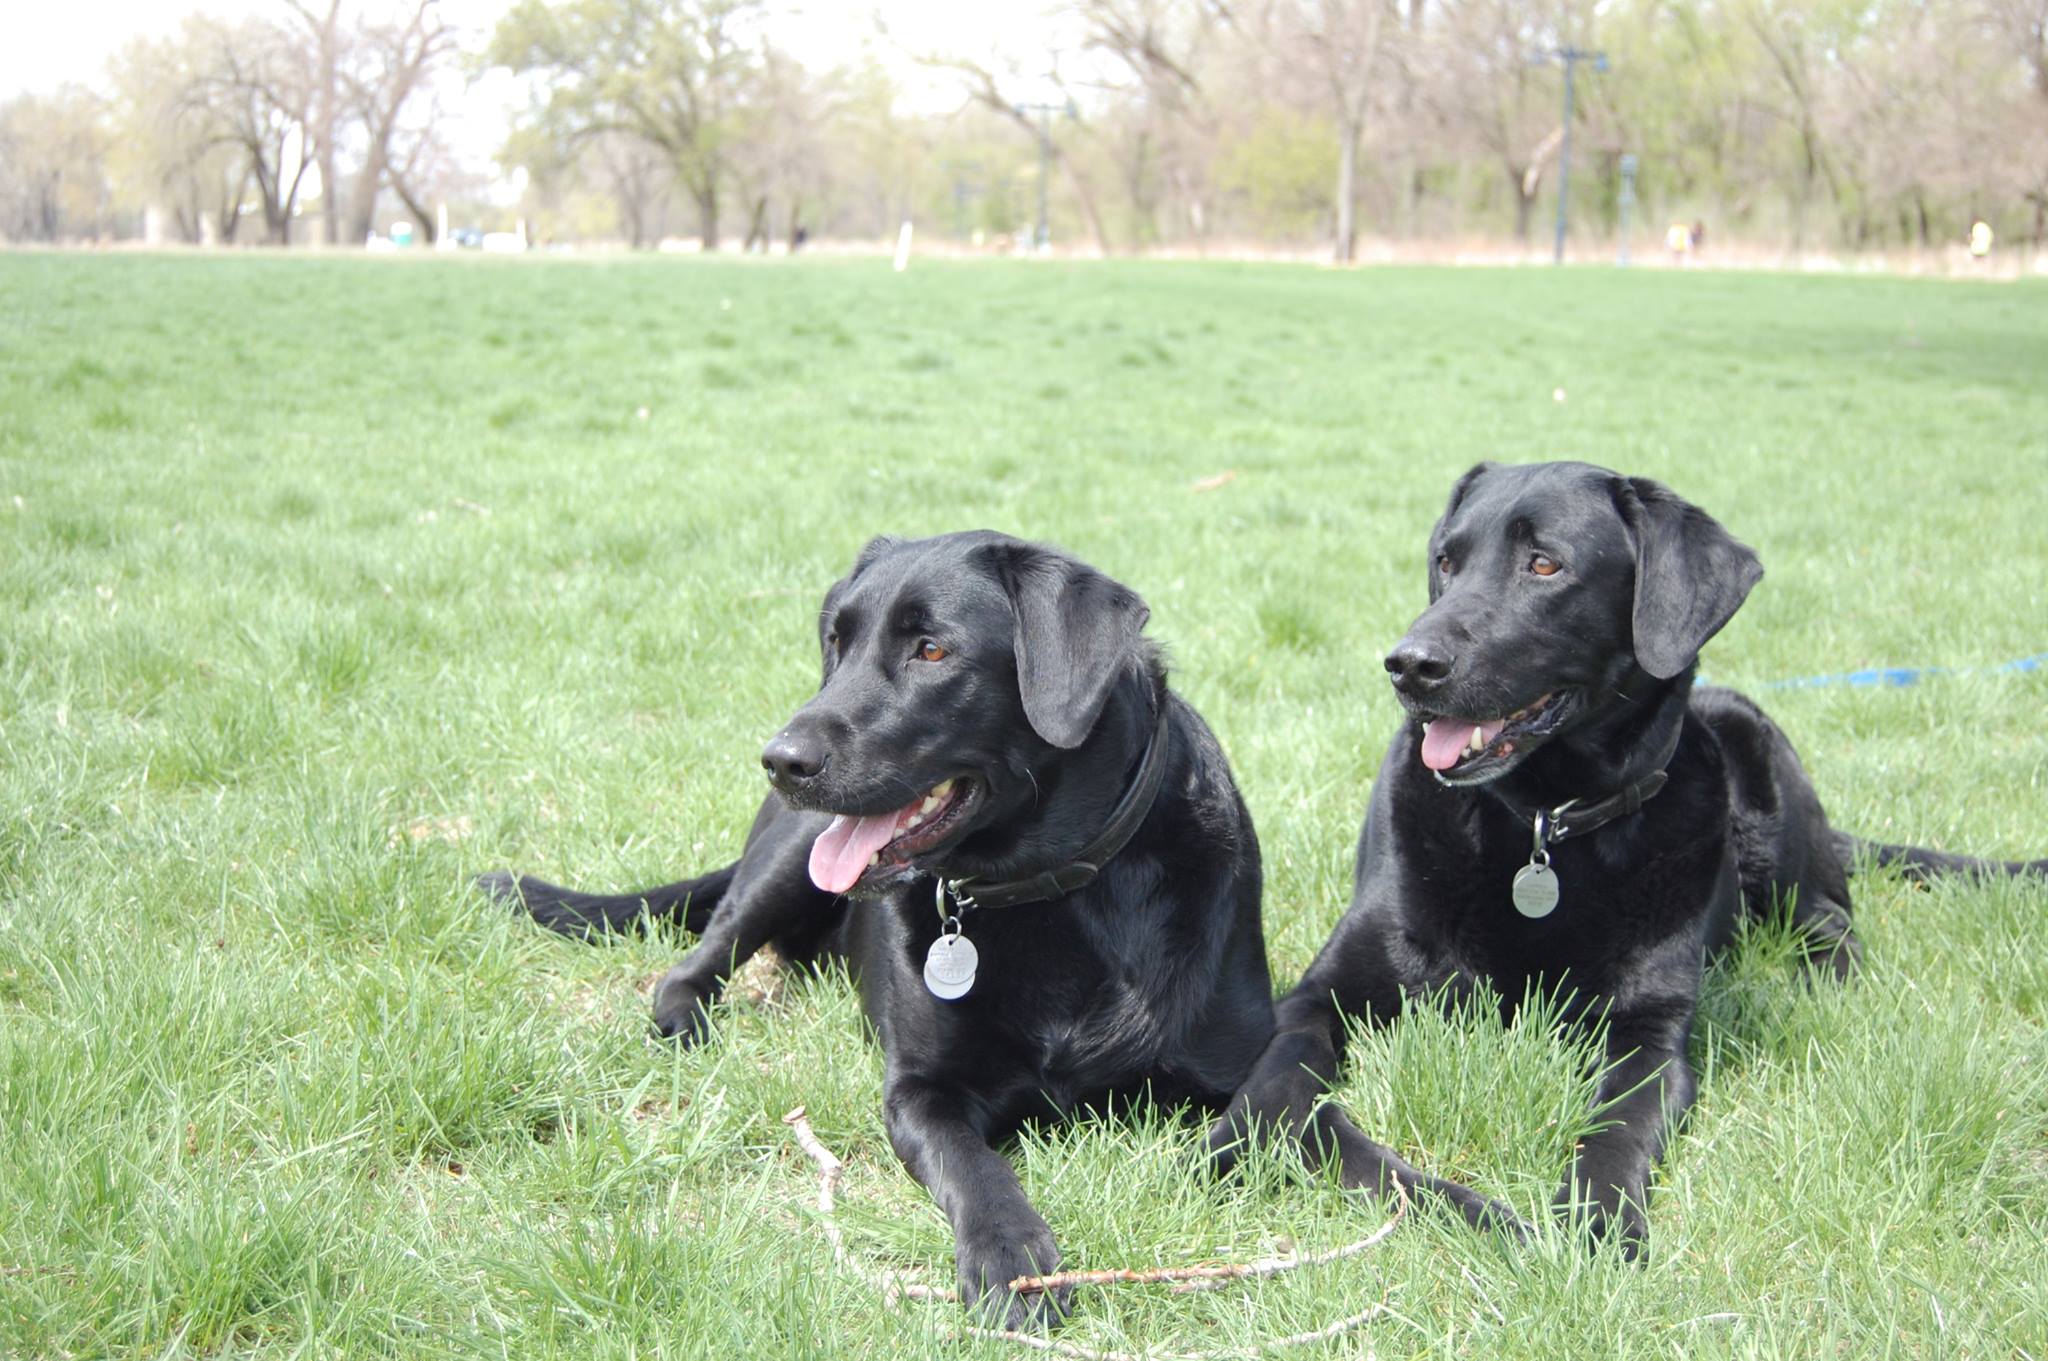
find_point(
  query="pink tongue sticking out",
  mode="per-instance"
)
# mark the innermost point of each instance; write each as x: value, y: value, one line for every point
x: 1444, y: 740
x: 843, y: 849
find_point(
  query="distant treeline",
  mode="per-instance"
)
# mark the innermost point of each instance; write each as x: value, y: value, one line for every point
x: 1166, y: 123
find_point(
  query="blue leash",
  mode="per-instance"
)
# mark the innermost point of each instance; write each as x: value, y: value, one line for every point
x: 1896, y: 677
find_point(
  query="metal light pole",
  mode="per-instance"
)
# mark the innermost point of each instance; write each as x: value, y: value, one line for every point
x: 1628, y: 199
x: 967, y: 184
x: 1571, y: 57
x: 1042, y: 236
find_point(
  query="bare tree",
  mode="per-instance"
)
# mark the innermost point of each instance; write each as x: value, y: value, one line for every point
x: 255, y: 91
x: 1796, y: 53
x: 53, y: 182
x: 1161, y: 47
x: 992, y: 89
x: 163, y: 155
x: 2021, y: 27
x: 1339, y: 42
x: 324, y: 31
x: 667, y: 71
x: 1492, y: 81
x: 389, y: 94
x: 639, y: 176
x: 780, y: 149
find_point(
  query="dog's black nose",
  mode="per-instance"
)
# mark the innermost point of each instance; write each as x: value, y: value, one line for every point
x: 792, y: 758
x: 1418, y: 665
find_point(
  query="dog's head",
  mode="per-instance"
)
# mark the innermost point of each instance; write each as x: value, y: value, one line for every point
x: 1551, y: 587
x: 957, y: 670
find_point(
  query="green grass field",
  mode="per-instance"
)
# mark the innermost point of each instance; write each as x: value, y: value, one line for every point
x: 325, y: 585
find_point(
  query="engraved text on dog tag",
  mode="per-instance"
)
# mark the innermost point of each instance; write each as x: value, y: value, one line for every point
x: 1535, y: 890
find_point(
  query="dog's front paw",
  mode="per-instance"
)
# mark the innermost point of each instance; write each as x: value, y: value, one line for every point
x: 997, y: 1253
x: 681, y: 1009
x: 1602, y: 1218
x: 1482, y: 1212
x: 1230, y: 1137
x: 1260, y: 1111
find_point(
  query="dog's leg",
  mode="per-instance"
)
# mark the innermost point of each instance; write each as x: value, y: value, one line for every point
x: 1352, y: 974
x: 1366, y: 1164
x: 997, y: 1235
x: 1287, y: 1082
x: 1285, y: 1098
x: 1645, y: 1087
x: 1829, y: 940
x: 771, y: 896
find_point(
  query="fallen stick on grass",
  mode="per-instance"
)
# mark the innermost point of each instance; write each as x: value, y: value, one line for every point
x: 894, y: 1287
x: 1187, y: 1279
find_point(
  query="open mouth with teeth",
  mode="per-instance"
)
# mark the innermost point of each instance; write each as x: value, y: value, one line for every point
x: 857, y: 847
x: 1463, y: 750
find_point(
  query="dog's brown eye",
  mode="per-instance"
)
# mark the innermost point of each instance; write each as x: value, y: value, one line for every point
x: 930, y: 651
x: 1443, y: 564
x: 1543, y: 566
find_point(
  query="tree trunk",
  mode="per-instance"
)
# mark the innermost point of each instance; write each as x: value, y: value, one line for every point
x: 757, y: 227
x: 1138, y: 189
x: 1809, y: 172
x: 325, y: 119
x: 1345, y: 249
x: 632, y: 218
x: 330, y: 197
x: 362, y: 218
x: 291, y: 200
x: 707, y: 213
x: 1196, y: 210
x: 231, y: 210
x: 417, y: 209
x: 330, y: 186
x: 1085, y: 196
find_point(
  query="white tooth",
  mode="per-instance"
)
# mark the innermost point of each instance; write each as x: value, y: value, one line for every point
x: 1479, y: 739
x: 931, y: 801
x: 941, y: 789
x: 875, y: 859
x: 915, y: 818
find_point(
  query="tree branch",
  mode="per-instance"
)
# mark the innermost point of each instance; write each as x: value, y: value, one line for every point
x: 895, y: 1288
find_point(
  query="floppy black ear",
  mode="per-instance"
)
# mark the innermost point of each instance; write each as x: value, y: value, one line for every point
x: 1076, y: 631
x: 872, y: 549
x: 1463, y: 485
x: 1458, y: 490
x: 1691, y: 574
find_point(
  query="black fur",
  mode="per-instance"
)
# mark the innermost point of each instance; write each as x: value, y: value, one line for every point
x: 1643, y: 580
x: 1150, y: 982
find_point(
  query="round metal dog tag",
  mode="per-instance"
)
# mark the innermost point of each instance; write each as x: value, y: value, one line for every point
x: 1535, y: 890
x: 949, y: 967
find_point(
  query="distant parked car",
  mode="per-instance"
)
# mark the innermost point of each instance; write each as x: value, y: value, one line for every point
x: 469, y: 238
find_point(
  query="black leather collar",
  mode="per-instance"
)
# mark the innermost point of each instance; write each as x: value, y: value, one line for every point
x: 1123, y: 822
x: 1574, y: 817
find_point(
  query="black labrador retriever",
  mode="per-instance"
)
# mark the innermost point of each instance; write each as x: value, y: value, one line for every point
x: 1565, y: 812
x: 1059, y: 883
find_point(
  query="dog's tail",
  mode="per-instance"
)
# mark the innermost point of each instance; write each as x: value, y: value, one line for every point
x: 689, y: 902
x: 1919, y: 863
